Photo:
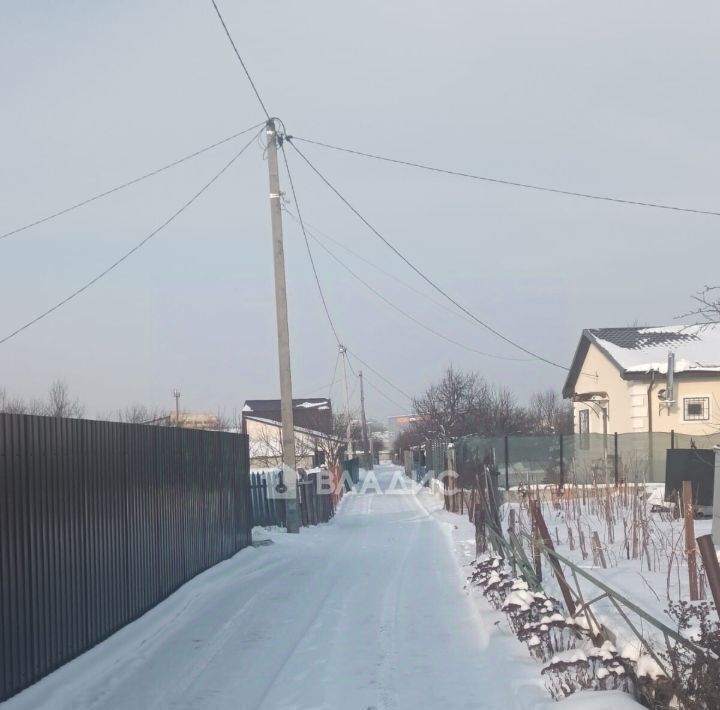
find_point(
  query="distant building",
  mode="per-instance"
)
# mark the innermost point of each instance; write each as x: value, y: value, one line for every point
x: 265, y: 444
x: 311, y: 413
x: 195, y: 420
x: 395, y: 425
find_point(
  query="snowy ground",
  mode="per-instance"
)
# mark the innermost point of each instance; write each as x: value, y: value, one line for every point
x: 368, y: 612
x: 651, y: 581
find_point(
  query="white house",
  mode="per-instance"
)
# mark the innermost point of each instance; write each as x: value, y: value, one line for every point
x: 658, y: 379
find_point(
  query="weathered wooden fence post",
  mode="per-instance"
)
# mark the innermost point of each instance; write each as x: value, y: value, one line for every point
x: 537, y: 557
x: 507, y: 463
x: 544, y: 535
x: 511, y: 537
x: 616, y: 467
x: 712, y: 568
x: 451, y: 504
x: 689, y: 515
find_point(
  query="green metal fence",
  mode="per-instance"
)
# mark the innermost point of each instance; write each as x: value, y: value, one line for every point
x: 580, y: 458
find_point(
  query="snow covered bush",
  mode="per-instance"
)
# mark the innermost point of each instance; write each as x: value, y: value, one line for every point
x: 695, y: 681
x: 594, y: 668
x: 495, y: 581
x: 538, y: 620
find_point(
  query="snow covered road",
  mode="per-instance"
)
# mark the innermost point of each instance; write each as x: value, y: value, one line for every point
x: 366, y: 612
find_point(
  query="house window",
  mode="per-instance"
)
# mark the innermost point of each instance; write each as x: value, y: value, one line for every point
x: 584, y: 428
x: 696, y: 408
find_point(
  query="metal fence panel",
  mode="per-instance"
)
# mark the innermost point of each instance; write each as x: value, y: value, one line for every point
x: 99, y: 522
x: 315, y: 503
x: 574, y: 458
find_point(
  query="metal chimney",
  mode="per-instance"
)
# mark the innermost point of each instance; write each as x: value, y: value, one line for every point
x: 670, y: 378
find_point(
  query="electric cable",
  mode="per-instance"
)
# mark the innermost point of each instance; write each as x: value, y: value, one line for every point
x: 134, y: 181
x: 511, y: 183
x: 317, y: 278
x: 240, y: 59
x: 307, y: 245
x: 129, y: 253
x: 318, y: 235
x: 408, y: 315
x: 335, y: 369
x: 376, y: 388
x: 418, y: 271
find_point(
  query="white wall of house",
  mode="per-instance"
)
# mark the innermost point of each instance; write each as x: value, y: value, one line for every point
x: 265, y: 445
x: 696, y: 411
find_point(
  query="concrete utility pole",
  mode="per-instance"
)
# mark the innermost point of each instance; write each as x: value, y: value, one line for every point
x: 283, y: 332
x: 177, y: 395
x: 348, y: 431
x: 366, y: 439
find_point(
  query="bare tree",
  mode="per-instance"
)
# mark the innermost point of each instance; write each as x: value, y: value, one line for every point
x: 224, y: 422
x: 12, y: 405
x: 708, y: 304
x: 266, y: 445
x: 548, y: 413
x: 334, y: 442
x: 464, y: 403
x: 413, y: 435
x: 500, y: 413
x: 142, y: 414
x: 59, y: 403
x: 448, y: 406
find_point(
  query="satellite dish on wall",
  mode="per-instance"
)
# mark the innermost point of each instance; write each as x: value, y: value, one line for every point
x: 662, y: 395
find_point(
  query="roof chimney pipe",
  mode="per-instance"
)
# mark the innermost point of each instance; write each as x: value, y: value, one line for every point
x: 670, y: 378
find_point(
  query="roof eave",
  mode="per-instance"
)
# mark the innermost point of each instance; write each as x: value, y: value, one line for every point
x: 685, y: 374
x: 577, y: 362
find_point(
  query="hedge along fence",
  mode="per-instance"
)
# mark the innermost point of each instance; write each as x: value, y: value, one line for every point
x: 99, y: 522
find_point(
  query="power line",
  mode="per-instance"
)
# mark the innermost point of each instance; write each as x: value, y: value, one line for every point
x: 377, y: 389
x: 136, y: 180
x: 242, y: 63
x: 335, y: 369
x: 307, y: 246
x: 372, y: 369
x: 380, y: 391
x: 314, y: 231
x: 418, y: 271
x: 510, y: 183
x: 342, y: 348
x: 127, y: 254
x: 405, y: 313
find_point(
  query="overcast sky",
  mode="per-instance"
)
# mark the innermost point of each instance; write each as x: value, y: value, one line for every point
x: 614, y: 98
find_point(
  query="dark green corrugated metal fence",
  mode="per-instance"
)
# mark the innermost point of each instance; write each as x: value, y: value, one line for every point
x: 315, y: 502
x: 100, y: 521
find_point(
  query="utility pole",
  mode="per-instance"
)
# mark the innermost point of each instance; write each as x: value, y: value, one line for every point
x: 348, y: 432
x: 366, y: 439
x: 177, y: 395
x: 283, y: 333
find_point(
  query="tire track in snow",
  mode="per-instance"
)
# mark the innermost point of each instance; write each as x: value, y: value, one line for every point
x: 388, y: 625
